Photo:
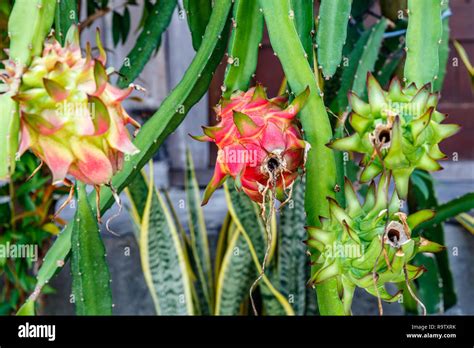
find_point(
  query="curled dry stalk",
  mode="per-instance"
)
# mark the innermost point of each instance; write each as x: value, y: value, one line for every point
x: 274, y: 168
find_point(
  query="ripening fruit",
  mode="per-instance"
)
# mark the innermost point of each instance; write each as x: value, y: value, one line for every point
x: 260, y: 143
x: 356, y: 241
x: 71, y: 116
x: 399, y: 129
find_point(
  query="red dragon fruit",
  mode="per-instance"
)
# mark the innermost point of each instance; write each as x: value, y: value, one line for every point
x: 71, y: 116
x: 260, y: 143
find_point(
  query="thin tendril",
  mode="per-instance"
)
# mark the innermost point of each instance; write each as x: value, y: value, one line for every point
x: 119, y: 203
x: 412, y: 293
x: 267, y: 219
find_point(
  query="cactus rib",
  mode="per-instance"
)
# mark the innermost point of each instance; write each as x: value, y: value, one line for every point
x: 244, y: 43
x: 303, y: 12
x: 26, y: 41
x: 423, y: 39
x: 320, y: 165
x: 332, y: 33
x: 198, y: 13
x: 66, y: 15
x: 361, y: 61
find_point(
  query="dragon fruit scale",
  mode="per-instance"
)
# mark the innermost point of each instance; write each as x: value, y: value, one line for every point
x: 71, y: 116
x: 399, y: 130
x: 260, y: 143
x: 368, y: 245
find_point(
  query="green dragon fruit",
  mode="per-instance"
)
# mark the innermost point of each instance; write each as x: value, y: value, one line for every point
x: 368, y: 245
x: 398, y: 129
x: 71, y: 116
x: 260, y: 143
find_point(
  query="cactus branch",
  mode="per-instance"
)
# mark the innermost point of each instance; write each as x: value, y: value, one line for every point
x: 320, y: 165
x: 422, y: 41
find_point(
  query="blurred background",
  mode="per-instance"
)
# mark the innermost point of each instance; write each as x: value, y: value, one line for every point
x: 165, y: 70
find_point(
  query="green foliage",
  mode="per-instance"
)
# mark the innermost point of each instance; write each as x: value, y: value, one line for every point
x: 25, y: 220
x: 186, y: 259
x: 423, y: 40
x: 148, y: 41
x: 450, y: 210
x: 26, y: 38
x: 66, y: 15
x: 423, y: 196
x: 198, y: 13
x: 443, y: 50
x: 90, y: 273
x: 303, y: 12
x: 161, y: 253
x: 198, y: 234
x: 332, y: 33
x: 5, y: 9
x: 360, y: 61
x: 244, y: 43
x: 293, y: 267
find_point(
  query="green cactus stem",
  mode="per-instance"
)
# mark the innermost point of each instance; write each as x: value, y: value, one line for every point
x: 320, y: 164
x: 198, y: 13
x: 332, y: 32
x: 422, y: 41
x: 247, y: 31
x: 28, y: 25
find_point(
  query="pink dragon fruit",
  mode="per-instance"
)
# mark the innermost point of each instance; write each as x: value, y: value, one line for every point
x: 71, y: 116
x: 260, y: 143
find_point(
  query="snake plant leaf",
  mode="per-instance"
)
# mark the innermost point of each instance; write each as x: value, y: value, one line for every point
x: 467, y: 221
x: 245, y: 214
x: 90, y: 272
x: 293, y: 265
x: 198, y: 233
x: 235, y: 277
x: 162, y: 259
x: 222, y: 244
